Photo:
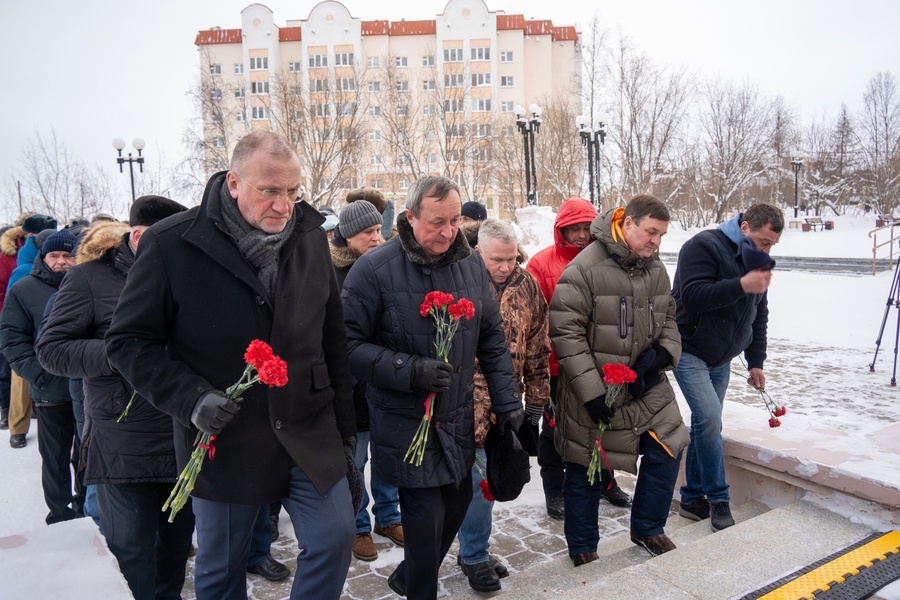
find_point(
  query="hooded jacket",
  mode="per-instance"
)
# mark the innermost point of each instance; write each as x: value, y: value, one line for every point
x: 11, y: 241
x: 716, y: 318
x: 548, y: 264
x: 386, y: 333
x: 610, y: 306
x: 139, y: 448
x: 191, y: 305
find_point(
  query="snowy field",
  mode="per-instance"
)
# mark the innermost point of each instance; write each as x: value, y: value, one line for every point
x: 822, y: 333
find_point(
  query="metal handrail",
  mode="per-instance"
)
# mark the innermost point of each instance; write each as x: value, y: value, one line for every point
x: 875, y: 245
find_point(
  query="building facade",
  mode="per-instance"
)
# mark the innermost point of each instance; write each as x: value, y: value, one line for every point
x: 381, y: 103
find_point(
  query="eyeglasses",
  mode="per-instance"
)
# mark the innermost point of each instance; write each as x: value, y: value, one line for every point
x: 273, y: 194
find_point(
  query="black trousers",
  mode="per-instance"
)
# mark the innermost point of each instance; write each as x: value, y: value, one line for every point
x: 58, y: 447
x: 431, y: 518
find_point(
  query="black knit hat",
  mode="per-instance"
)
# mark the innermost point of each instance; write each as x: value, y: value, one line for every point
x: 37, y: 223
x: 474, y: 210
x: 59, y: 241
x: 148, y: 210
x: 356, y: 217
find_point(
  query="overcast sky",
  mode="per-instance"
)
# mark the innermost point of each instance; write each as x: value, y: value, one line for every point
x: 100, y: 69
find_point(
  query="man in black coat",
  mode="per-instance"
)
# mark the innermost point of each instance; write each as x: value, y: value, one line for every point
x: 20, y: 322
x: 131, y: 461
x: 392, y: 348
x: 251, y: 262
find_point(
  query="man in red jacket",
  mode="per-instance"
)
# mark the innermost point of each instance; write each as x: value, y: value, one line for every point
x: 571, y: 234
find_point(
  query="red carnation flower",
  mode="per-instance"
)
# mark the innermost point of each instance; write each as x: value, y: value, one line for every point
x: 486, y: 490
x: 616, y: 374
x: 258, y: 353
x: 273, y: 373
x: 463, y: 308
x: 773, y: 422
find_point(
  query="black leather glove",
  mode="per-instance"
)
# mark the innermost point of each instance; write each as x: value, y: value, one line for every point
x: 534, y: 413
x: 599, y: 411
x: 637, y: 387
x: 513, y: 418
x: 213, y: 412
x: 430, y: 375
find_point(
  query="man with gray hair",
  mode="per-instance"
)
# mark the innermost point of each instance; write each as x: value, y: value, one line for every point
x: 525, y: 323
x: 392, y: 348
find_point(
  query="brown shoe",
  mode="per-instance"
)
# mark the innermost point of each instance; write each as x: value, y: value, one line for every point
x: 655, y: 544
x: 364, y: 547
x: 392, y: 532
x: 583, y: 559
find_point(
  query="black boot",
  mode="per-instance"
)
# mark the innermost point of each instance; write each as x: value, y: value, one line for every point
x: 482, y: 577
x: 611, y: 490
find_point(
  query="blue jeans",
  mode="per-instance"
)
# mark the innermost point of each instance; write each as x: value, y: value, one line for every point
x: 323, y: 525
x: 91, y: 506
x: 649, y: 508
x: 152, y: 553
x: 475, y: 531
x: 387, y: 498
x: 704, y: 389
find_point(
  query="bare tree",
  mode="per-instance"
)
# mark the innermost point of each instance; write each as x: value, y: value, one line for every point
x: 735, y: 122
x: 561, y: 164
x: 879, y: 143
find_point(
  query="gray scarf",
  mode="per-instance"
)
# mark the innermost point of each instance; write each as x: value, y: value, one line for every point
x: 261, y: 249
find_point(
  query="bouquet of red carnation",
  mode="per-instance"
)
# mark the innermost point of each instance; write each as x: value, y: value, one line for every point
x: 262, y: 366
x: 775, y: 410
x: 446, y: 314
x: 616, y: 377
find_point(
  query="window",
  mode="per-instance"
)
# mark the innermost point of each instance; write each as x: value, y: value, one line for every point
x: 378, y: 183
x: 259, y: 63
x: 507, y: 106
x: 506, y: 56
x: 402, y: 111
x: 239, y: 93
x: 374, y: 86
x: 239, y: 116
x: 428, y: 110
x: 428, y: 85
x: 375, y: 161
x: 481, y: 53
x: 215, y: 69
x: 401, y: 62
x: 318, y: 85
x: 456, y: 130
x: 215, y: 94
x: 238, y: 68
x: 373, y: 62
x: 482, y: 130
x: 374, y: 111
x: 453, y: 55
x: 318, y: 60
x: 452, y: 81
x: 403, y: 160
x: 220, y: 141
x: 508, y: 130
x: 403, y: 184
x: 343, y: 59
x: 374, y: 136
x: 296, y: 90
x: 402, y: 86
x: 319, y: 110
x: 481, y: 105
x: 506, y: 81
x: 259, y: 112
x: 294, y: 67
x: 432, y: 159
x: 481, y: 79
x: 453, y: 106
x: 481, y: 154
x: 259, y: 87
x: 428, y: 61
x: 346, y: 84
x: 345, y: 109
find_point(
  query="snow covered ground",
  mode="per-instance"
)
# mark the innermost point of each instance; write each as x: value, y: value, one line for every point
x: 822, y: 333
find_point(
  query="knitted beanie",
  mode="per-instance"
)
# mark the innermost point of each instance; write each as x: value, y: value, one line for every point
x: 61, y: 241
x: 474, y: 210
x: 357, y: 216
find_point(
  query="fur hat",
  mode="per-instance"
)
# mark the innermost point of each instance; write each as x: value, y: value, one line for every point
x: 37, y: 223
x: 58, y: 241
x: 371, y: 194
x: 474, y: 210
x: 148, y: 210
x: 356, y: 217
x: 508, y: 466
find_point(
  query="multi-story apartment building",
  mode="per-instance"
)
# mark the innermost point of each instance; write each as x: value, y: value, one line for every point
x: 381, y: 103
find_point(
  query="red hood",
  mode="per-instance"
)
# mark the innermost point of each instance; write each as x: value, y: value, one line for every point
x: 572, y: 211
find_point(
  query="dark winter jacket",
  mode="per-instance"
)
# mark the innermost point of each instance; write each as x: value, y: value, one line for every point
x: 385, y: 333
x: 140, y: 448
x: 24, y: 262
x: 20, y: 324
x: 343, y: 257
x: 192, y: 304
x: 716, y: 318
x: 548, y: 264
x: 610, y: 306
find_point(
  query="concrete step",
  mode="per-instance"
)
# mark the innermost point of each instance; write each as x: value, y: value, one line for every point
x: 762, y: 547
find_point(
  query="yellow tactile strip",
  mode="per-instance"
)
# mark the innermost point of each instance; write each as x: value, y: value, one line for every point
x: 836, y: 571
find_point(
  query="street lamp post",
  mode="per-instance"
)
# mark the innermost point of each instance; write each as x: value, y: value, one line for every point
x: 529, y: 127
x: 592, y: 137
x: 119, y: 145
x: 796, y: 164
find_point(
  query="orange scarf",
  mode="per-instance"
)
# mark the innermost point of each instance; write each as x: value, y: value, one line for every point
x: 617, y: 218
